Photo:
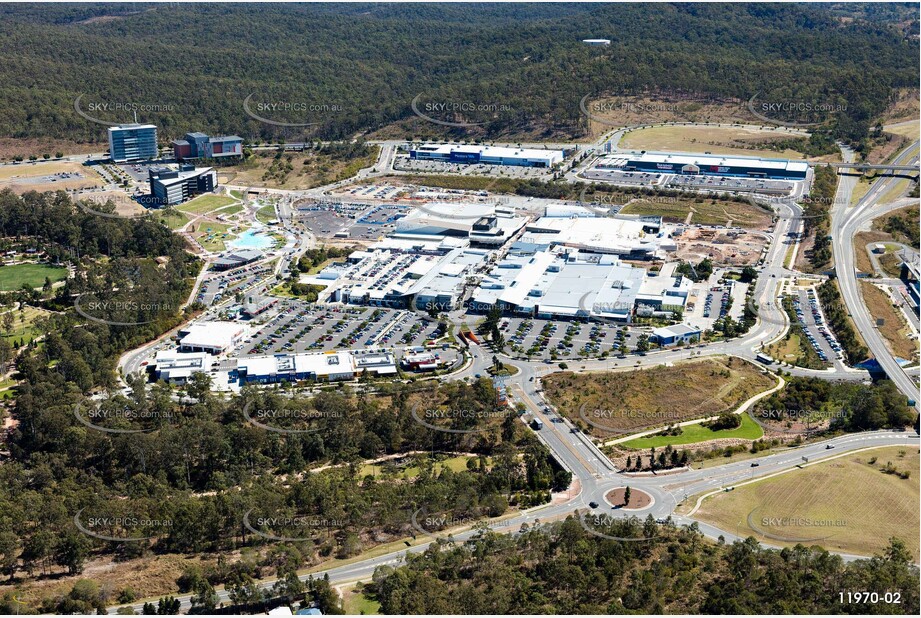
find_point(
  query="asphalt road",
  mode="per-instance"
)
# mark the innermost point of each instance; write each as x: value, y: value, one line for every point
x: 667, y: 491
x: 846, y: 222
x: 596, y: 475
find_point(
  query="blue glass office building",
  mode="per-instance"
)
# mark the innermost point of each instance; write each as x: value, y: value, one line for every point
x: 133, y: 142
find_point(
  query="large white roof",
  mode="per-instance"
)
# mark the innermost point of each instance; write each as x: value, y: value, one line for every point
x: 720, y: 160
x: 493, y: 151
x: 211, y: 334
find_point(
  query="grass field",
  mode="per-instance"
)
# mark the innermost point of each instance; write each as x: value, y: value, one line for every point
x: 15, y: 276
x: 28, y: 169
x: 860, y: 190
x: 705, y: 212
x: 265, y: 214
x: 229, y: 210
x: 848, y: 500
x: 894, y: 329
x: 355, y: 603
x: 23, y: 324
x: 642, y: 399
x: 213, y: 240
x: 205, y: 203
x: 298, y: 170
x: 909, y: 129
x: 455, y: 464
x: 796, y: 351
x: 716, y: 140
x: 861, y: 240
x: 173, y: 221
x: 692, y: 434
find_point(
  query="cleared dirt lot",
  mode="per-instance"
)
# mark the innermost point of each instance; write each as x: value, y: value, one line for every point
x: 124, y: 205
x: 716, y: 140
x: 622, y: 111
x: 721, y: 247
x: 894, y: 328
x: 48, y: 176
x: 703, y: 212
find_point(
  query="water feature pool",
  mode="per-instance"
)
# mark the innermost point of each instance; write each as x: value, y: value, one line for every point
x: 252, y: 238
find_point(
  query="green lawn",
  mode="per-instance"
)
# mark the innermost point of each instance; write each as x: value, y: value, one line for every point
x: 13, y: 277
x: 230, y: 210
x: 455, y: 464
x: 206, y: 203
x: 211, y: 235
x: 355, y: 603
x: 173, y: 221
x: 266, y: 213
x: 24, y: 324
x: 749, y: 430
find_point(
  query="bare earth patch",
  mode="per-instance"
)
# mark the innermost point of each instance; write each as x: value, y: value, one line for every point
x: 638, y: 499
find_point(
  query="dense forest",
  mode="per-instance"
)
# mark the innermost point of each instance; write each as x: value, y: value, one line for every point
x: 849, y: 406
x: 565, y: 569
x: 352, y: 68
x: 181, y: 470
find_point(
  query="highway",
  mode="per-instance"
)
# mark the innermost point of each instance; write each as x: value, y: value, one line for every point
x: 846, y: 222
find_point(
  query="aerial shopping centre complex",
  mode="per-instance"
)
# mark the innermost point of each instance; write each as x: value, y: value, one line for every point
x: 706, y: 164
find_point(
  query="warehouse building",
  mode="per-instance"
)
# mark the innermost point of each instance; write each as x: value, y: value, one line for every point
x: 133, y: 142
x: 177, y: 368
x: 169, y: 186
x: 628, y: 237
x: 212, y: 337
x: 235, y: 259
x: 482, y: 224
x: 200, y: 146
x: 708, y: 165
x: 547, y: 284
x: 399, y: 272
x: 322, y: 367
x: 676, y: 333
x: 487, y: 155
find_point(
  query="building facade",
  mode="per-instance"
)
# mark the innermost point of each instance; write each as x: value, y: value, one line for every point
x: 201, y: 146
x: 488, y: 155
x: 169, y: 186
x: 713, y: 165
x: 133, y: 142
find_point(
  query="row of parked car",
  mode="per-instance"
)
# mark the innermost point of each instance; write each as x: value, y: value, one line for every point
x: 820, y: 326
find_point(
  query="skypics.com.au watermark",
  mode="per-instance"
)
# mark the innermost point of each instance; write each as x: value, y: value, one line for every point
x: 794, y: 528
x: 97, y: 417
x: 457, y: 113
x: 795, y: 421
x: 288, y: 420
x: 292, y: 528
x: 122, y: 527
x: 126, y: 110
x: 456, y: 420
x: 794, y: 113
x: 435, y: 525
x: 271, y: 111
x: 123, y: 310
x: 648, y: 418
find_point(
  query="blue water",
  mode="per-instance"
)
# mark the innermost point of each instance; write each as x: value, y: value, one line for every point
x: 252, y: 239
